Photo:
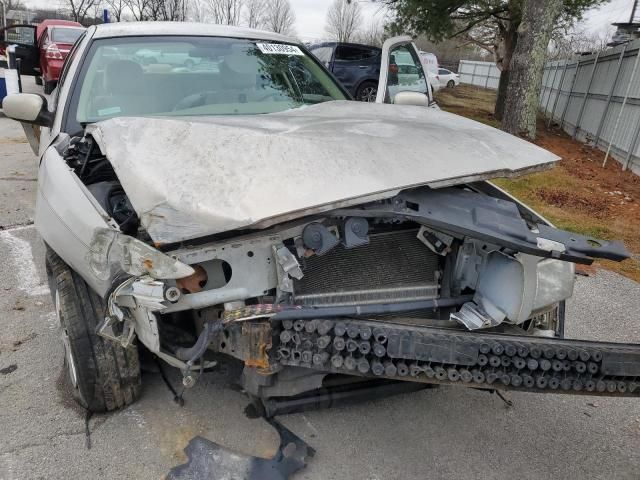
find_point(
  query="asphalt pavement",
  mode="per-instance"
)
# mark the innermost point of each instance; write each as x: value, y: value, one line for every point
x: 443, y: 433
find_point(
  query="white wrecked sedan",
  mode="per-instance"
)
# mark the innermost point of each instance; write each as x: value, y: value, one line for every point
x: 247, y: 210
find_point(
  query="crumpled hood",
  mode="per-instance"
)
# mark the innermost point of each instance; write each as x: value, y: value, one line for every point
x: 191, y: 177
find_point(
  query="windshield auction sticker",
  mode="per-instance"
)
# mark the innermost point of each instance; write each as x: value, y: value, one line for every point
x: 279, y: 49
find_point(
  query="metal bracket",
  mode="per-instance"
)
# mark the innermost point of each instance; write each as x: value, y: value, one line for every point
x: 288, y: 267
x: 473, y: 317
x: 106, y: 330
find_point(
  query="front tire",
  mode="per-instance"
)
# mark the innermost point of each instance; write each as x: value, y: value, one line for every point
x: 367, y: 92
x: 102, y: 375
x: 451, y: 84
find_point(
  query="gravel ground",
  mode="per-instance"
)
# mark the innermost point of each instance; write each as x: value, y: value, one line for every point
x: 437, y: 434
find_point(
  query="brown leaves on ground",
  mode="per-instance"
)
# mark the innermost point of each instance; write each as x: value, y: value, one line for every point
x: 572, y: 200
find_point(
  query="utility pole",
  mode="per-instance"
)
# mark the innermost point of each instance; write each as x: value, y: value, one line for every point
x: 4, y: 14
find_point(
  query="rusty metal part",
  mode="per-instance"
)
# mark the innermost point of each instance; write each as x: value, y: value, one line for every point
x: 195, y: 282
x: 259, y: 336
x: 206, y: 459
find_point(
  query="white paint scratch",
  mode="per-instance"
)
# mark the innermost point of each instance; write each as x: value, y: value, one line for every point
x: 21, y: 255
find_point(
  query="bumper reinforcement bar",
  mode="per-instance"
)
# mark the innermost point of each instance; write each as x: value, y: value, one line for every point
x: 441, y: 356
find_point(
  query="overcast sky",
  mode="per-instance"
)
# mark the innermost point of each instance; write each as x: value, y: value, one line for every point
x: 310, y: 15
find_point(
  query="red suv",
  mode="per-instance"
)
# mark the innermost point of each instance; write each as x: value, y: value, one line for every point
x: 42, y: 48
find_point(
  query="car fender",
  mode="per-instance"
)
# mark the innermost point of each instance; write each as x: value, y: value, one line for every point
x: 66, y: 217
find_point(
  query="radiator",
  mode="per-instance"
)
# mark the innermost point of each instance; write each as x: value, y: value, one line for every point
x: 393, y: 267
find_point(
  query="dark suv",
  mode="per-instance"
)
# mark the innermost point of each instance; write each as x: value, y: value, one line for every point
x: 356, y: 66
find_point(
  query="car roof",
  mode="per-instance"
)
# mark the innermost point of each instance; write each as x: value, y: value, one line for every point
x: 133, y: 29
x: 342, y: 44
x: 54, y: 22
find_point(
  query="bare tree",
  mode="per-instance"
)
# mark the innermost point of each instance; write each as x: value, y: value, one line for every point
x: 139, y: 9
x: 372, y: 34
x: 197, y: 11
x: 10, y: 5
x: 567, y: 44
x: 115, y: 8
x: 254, y: 13
x: 80, y: 8
x: 153, y: 10
x: 343, y: 20
x: 225, y: 12
x: 96, y: 13
x: 280, y: 17
x: 158, y: 10
x: 174, y: 10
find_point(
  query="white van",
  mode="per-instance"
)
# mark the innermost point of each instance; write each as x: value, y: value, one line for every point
x: 430, y: 64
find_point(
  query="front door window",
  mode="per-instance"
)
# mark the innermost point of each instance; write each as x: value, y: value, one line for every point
x: 401, y: 70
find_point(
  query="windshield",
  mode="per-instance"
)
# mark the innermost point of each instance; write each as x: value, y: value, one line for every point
x: 66, y: 35
x: 190, y: 76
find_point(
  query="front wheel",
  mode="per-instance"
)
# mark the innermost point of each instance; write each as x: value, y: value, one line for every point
x: 102, y: 375
x: 367, y: 92
x: 451, y: 84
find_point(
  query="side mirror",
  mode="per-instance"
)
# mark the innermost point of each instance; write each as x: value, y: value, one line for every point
x: 411, y: 98
x: 28, y: 108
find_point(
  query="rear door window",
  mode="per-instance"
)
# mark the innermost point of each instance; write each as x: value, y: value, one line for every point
x: 350, y: 53
x: 66, y: 35
x: 323, y: 54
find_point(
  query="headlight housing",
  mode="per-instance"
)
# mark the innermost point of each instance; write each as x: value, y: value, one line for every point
x: 112, y: 252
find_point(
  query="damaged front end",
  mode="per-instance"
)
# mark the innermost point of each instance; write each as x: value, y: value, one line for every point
x: 460, y: 285
x: 457, y: 284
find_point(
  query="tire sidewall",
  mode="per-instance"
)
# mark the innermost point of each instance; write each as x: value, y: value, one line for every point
x: 78, y: 385
x: 102, y: 376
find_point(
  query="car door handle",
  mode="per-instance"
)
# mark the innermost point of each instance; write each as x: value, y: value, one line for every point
x: 363, y: 66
